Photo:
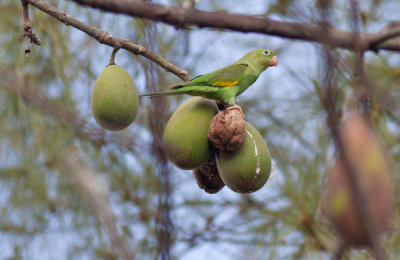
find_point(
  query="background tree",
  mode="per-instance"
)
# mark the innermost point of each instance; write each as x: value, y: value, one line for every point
x: 72, y: 190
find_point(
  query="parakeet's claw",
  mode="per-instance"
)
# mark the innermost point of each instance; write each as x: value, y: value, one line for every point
x: 236, y: 107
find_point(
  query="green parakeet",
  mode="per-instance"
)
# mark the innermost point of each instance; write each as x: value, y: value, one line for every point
x: 226, y: 83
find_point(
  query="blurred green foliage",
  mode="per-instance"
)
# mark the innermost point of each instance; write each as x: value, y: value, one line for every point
x: 45, y: 108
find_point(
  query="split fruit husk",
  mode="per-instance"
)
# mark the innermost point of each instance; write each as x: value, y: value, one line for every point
x: 227, y: 130
x: 208, y: 179
x: 373, y: 176
x: 185, y: 137
x: 114, y: 100
x: 247, y: 169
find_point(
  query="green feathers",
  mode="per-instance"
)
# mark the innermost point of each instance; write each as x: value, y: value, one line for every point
x: 226, y: 83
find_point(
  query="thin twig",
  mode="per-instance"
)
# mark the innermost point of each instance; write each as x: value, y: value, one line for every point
x: 112, y: 57
x: 106, y: 38
x: 27, y: 31
x: 385, y: 34
x: 185, y: 17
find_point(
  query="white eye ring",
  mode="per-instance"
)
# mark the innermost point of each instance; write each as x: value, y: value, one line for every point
x: 266, y: 52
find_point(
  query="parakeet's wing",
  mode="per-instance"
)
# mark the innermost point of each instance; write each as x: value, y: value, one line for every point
x: 207, y: 83
x: 225, y: 77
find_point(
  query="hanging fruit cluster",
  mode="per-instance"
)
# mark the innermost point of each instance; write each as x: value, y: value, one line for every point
x: 220, y: 146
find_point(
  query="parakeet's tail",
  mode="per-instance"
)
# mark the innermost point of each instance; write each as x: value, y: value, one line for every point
x: 164, y: 93
x: 185, y: 88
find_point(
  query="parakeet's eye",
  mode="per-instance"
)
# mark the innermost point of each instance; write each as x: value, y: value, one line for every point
x: 267, y: 52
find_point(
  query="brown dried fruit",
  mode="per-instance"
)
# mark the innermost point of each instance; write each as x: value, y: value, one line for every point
x: 227, y: 130
x: 373, y: 176
x: 208, y: 179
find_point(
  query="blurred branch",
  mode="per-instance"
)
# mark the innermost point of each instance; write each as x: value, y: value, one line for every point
x: 362, y: 89
x: 339, y: 252
x: 165, y: 229
x: 333, y: 119
x: 183, y: 17
x: 91, y: 132
x: 389, y: 31
x: 359, y: 196
x: 106, y: 38
x: 188, y: 3
x: 93, y: 190
x: 27, y: 31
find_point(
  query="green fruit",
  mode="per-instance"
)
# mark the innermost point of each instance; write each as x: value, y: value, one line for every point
x: 114, y: 100
x: 246, y: 169
x: 185, y: 137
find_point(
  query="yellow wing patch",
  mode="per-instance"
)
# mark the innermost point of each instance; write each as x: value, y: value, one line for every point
x: 225, y: 83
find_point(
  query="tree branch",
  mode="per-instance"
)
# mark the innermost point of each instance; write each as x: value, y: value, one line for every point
x: 389, y: 31
x: 106, y: 38
x: 183, y: 17
x: 27, y: 31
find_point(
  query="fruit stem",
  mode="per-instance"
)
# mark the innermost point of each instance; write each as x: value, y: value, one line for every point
x: 113, y: 57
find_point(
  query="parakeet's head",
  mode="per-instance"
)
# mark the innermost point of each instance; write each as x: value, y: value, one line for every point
x: 260, y: 59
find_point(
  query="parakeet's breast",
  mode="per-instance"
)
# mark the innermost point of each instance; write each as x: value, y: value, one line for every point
x: 246, y: 82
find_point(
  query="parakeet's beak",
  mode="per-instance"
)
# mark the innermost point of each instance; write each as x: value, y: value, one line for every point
x: 273, y: 62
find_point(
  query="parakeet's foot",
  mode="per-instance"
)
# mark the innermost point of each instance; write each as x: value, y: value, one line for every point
x: 236, y: 107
